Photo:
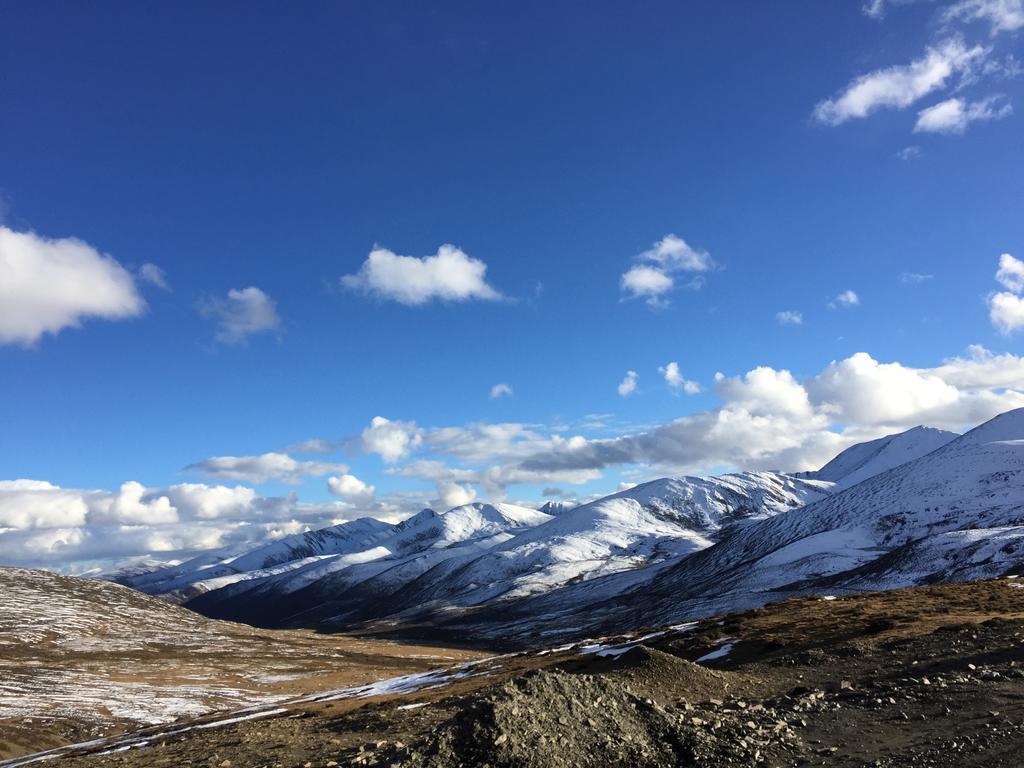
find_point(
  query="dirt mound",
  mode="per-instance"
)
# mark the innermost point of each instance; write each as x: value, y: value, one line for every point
x: 554, y: 719
x: 661, y: 675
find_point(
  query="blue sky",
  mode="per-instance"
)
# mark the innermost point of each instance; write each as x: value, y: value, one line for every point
x: 274, y: 148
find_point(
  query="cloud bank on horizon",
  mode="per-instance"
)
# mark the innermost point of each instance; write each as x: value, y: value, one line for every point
x: 766, y: 419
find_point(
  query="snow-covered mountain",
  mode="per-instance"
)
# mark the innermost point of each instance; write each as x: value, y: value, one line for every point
x: 491, y: 557
x: 864, y: 460
x: 954, y: 514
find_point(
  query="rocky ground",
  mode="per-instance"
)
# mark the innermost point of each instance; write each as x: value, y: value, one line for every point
x: 83, y: 659
x: 924, y: 677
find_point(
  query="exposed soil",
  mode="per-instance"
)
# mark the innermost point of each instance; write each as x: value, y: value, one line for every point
x: 925, y: 677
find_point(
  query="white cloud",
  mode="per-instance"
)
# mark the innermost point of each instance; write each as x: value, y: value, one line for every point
x: 242, y: 313
x: 789, y: 317
x: 49, y: 285
x: 909, y: 153
x: 1002, y: 15
x: 955, y: 115
x: 982, y: 369
x: 351, y: 488
x: 38, y: 504
x: 676, y: 381
x: 134, y: 504
x: 899, y: 87
x: 198, y: 501
x: 500, y: 390
x: 1011, y: 273
x: 448, y: 275
x: 628, y: 385
x: 263, y: 468
x: 44, y: 524
x: 647, y: 282
x: 845, y: 299
x: 391, y: 440
x: 673, y: 254
x: 861, y: 390
x: 769, y: 419
x: 1006, y: 308
x: 451, y: 494
x: 651, y: 278
x: 152, y: 274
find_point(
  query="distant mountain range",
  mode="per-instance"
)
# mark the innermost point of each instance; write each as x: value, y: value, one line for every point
x: 919, y: 506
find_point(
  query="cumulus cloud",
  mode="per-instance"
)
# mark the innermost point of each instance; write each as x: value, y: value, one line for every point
x: 789, y: 317
x: 39, y: 504
x: 391, y: 440
x: 48, y: 285
x: 448, y: 275
x: 500, y: 390
x: 676, y: 381
x: 1010, y: 274
x: 955, y: 115
x: 981, y: 369
x: 134, y: 504
x: 1001, y: 15
x: 651, y: 277
x: 628, y: 385
x: 451, y: 494
x: 845, y: 299
x: 909, y: 153
x: 770, y: 420
x: 1006, y: 308
x: 351, y: 488
x: 199, y: 501
x: 263, y: 468
x: 242, y: 313
x: 898, y: 87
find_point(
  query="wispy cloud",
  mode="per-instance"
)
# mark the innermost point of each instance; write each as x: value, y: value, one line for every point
x: 956, y: 114
x: 1001, y: 15
x: 845, y: 300
x: 914, y: 278
x: 263, y: 468
x: 899, y: 87
x: 243, y: 313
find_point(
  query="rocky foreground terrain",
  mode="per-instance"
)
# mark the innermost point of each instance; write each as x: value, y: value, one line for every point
x: 929, y: 676
x: 83, y: 659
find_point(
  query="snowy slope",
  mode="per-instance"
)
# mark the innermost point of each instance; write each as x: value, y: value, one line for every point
x: 864, y: 460
x: 391, y: 559
x: 505, y: 557
x: 956, y: 513
x: 524, y: 553
x: 184, y: 580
